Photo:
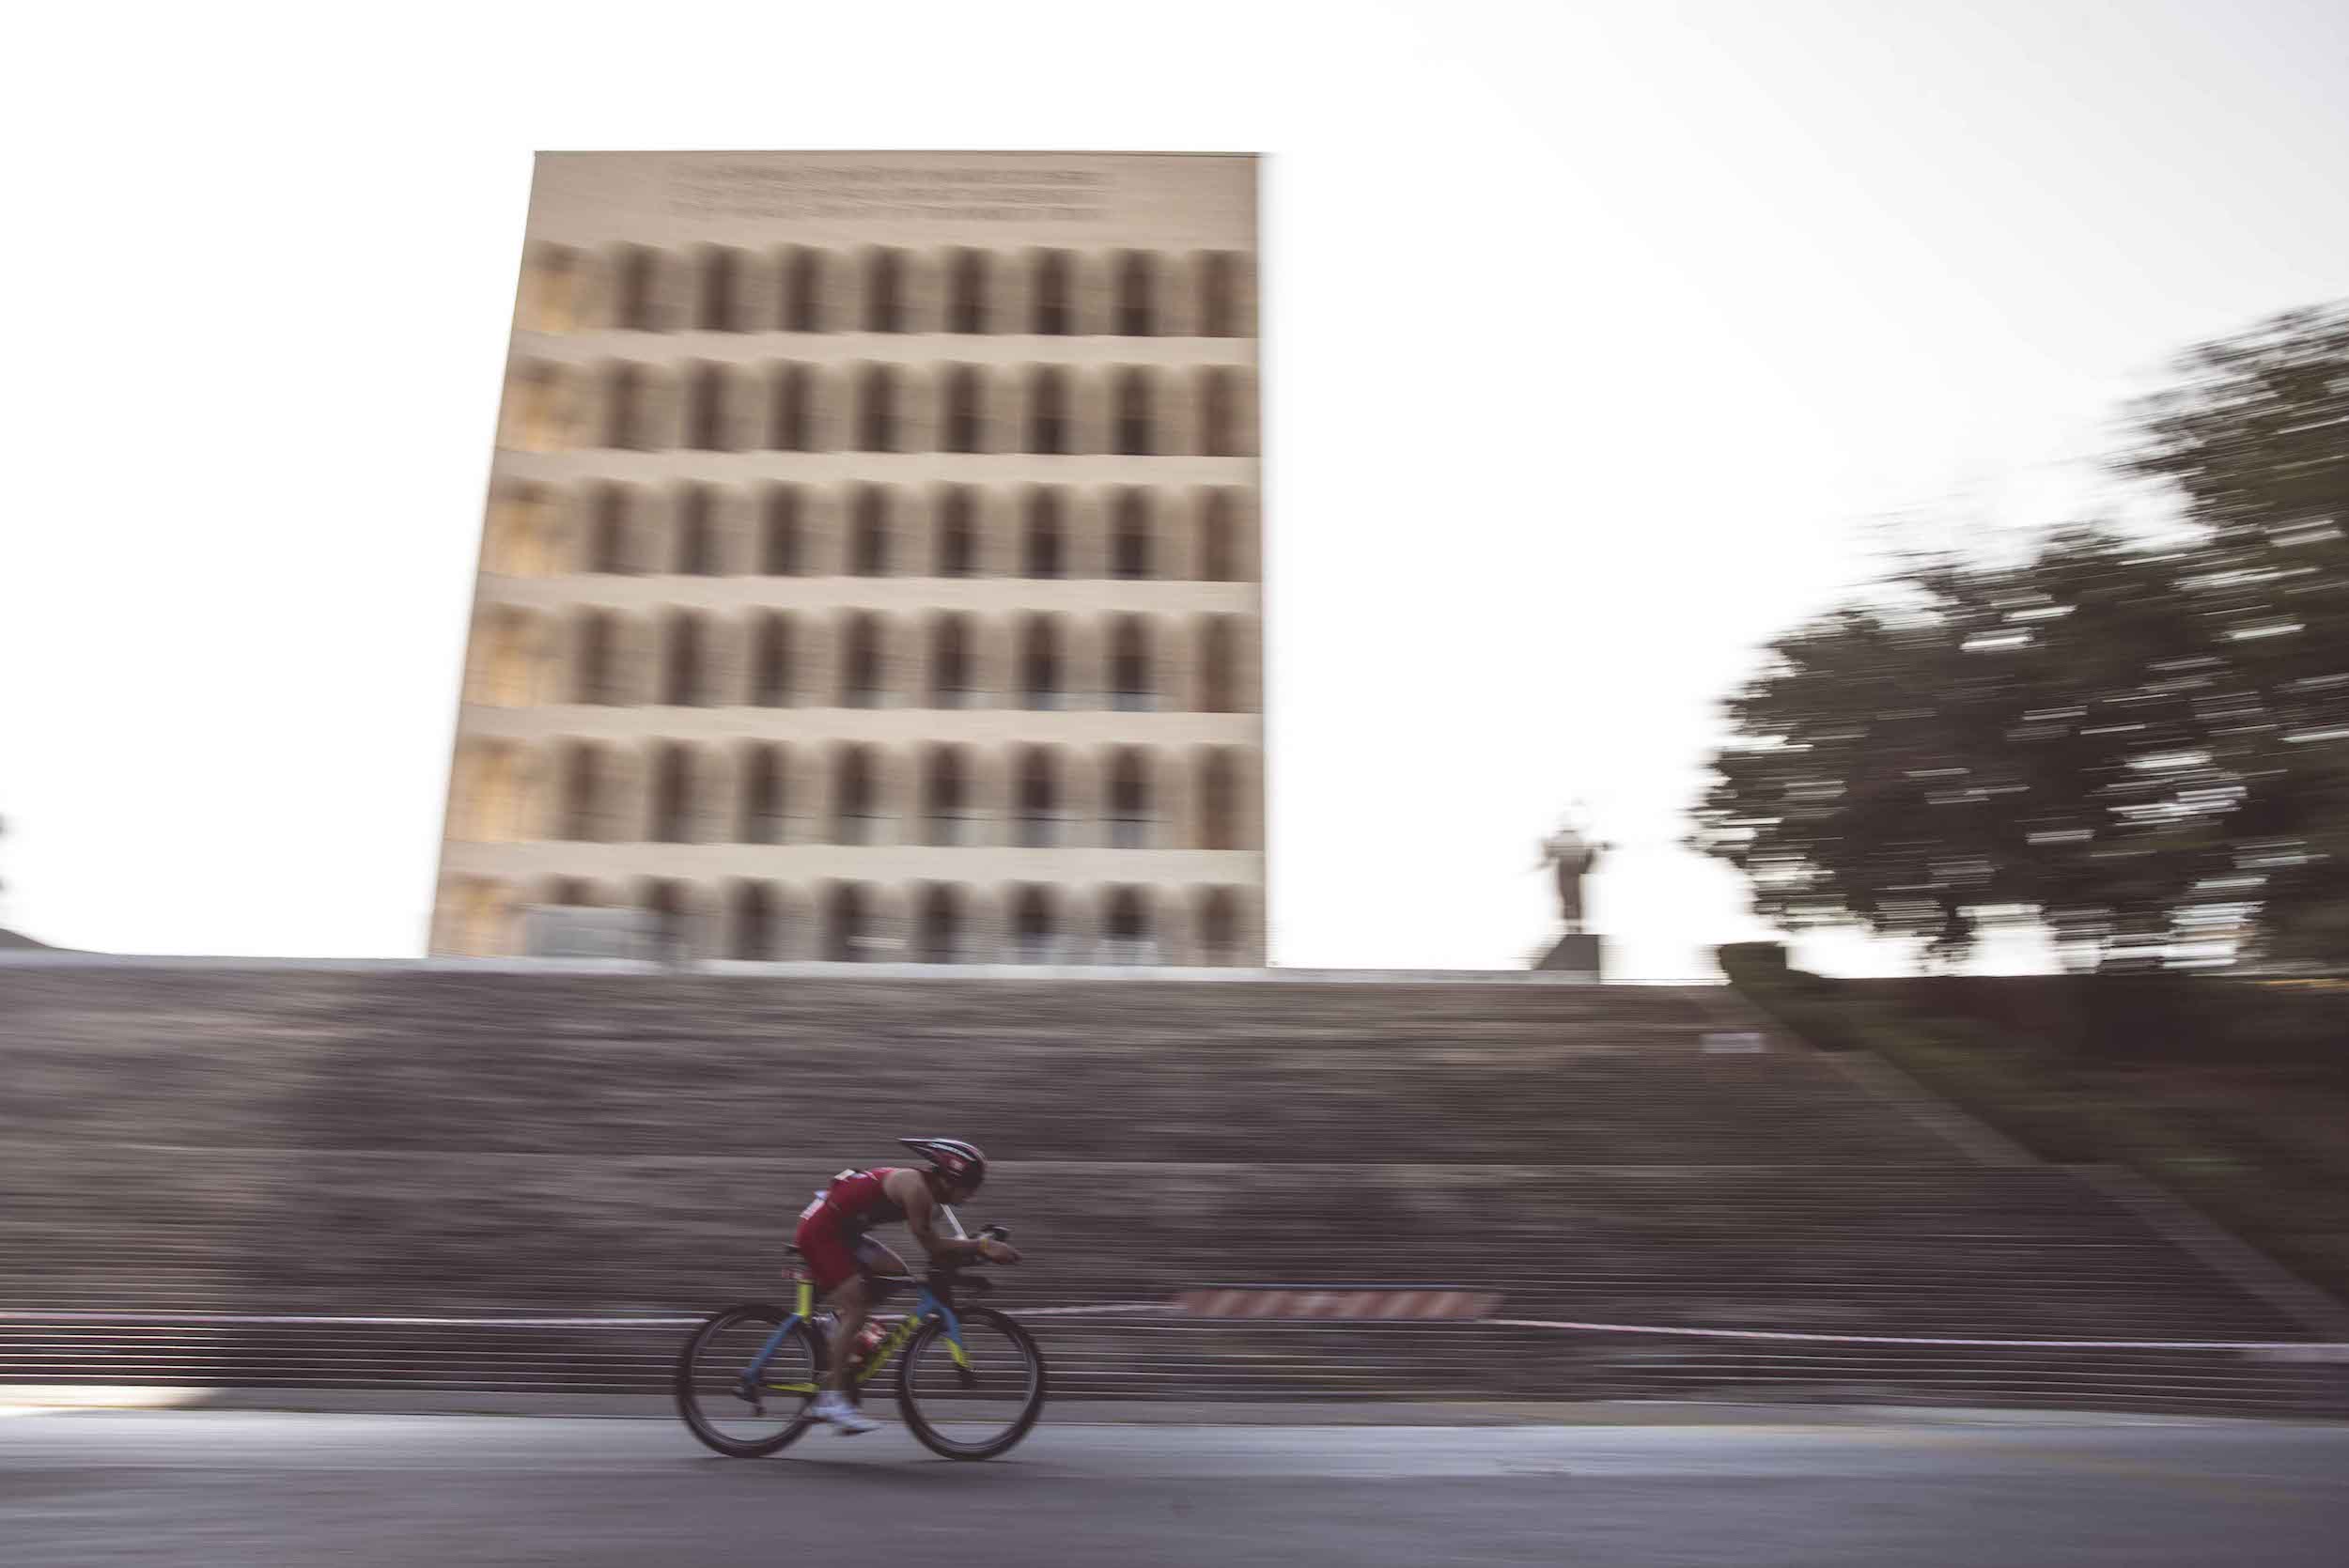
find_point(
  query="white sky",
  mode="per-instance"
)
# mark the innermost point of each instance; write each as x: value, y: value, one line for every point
x: 1597, y: 336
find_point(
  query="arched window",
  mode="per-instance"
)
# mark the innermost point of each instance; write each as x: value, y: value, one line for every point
x: 608, y: 541
x: 672, y: 796
x: 1038, y: 813
x: 1131, y: 689
x: 553, y: 290
x: 868, y: 533
x: 508, y: 533
x: 1039, y: 665
x: 1218, y: 547
x: 847, y: 925
x: 722, y: 275
x: 884, y: 296
x: 639, y: 290
x: 787, y: 412
x: 480, y: 916
x: 946, y: 794
x: 1131, y: 819
x: 508, y: 661
x: 599, y: 660
x: 803, y: 291
x: 938, y: 927
x: 966, y: 293
x: 862, y: 677
x: 485, y: 911
x: 519, y: 538
x: 581, y: 817
x: 1217, y: 419
x: 681, y: 685
x: 1054, y: 314
x: 1126, y: 934
x: 706, y: 408
x: 1133, y: 415
x: 625, y: 424
x: 1219, y: 802
x: 779, y: 532
x: 538, y: 416
x: 1219, y: 682
x: 765, y: 796
x: 957, y: 535
x: 1044, y: 552
x: 1136, y: 317
x: 1219, y: 296
x: 1219, y: 928
x: 752, y: 919
x: 671, y: 932
x: 1048, y: 412
x: 1129, y: 536
x: 770, y: 661
x: 856, y: 799
x: 951, y: 676
x: 697, y: 533
x: 962, y: 409
x: 1030, y: 928
x: 877, y: 410
x: 847, y: 921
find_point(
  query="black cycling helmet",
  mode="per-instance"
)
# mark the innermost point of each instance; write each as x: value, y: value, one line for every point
x: 960, y: 1163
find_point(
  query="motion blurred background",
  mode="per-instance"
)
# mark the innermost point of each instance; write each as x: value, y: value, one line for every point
x: 1884, y: 469
x: 1601, y: 343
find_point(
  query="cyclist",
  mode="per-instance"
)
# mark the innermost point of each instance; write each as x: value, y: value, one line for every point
x: 834, y: 1236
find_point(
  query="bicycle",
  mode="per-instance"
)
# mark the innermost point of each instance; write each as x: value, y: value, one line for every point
x: 970, y: 1385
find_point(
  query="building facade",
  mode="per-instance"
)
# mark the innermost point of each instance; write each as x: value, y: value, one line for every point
x: 871, y: 569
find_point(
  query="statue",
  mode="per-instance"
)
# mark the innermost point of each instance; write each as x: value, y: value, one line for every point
x: 1572, y: 856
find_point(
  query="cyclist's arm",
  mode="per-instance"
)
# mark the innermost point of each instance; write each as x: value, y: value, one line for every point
x: 922, y: 1219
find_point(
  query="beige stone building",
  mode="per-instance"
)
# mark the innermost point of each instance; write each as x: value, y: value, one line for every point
x: 871, y: 569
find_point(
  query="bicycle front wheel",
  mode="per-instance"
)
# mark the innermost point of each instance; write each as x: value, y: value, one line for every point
x: 980, y: 1405
x: 732, y: 1412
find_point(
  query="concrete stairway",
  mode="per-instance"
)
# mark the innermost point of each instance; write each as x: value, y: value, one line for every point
x: 179, y: 1140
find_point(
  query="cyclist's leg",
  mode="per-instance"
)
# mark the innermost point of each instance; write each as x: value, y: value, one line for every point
x: 874, y: 1257
x: 831, y: 1257
x: 850, y: 1304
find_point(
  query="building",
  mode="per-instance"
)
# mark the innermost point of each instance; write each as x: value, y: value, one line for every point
x: 871, y: 569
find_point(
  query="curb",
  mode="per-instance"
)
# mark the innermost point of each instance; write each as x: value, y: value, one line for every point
x: 57, y: 1399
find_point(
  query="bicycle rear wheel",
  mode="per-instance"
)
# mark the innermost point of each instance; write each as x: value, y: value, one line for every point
x: 979, y: 1411
x: 714, y: 1395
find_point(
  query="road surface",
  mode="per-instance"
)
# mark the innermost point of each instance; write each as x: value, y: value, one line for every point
x: 256, y: 1490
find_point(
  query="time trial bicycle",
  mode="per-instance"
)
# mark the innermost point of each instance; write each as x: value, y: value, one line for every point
x: 970, y: 1385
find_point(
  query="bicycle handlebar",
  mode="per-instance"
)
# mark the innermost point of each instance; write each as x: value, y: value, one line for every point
x: 947, y: 1268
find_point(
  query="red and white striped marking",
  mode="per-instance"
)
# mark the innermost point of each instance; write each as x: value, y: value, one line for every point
x: 1343, y: 1304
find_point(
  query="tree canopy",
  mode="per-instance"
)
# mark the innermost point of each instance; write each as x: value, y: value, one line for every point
x: 2144, y: 746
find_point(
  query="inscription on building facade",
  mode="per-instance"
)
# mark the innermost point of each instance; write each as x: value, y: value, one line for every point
x: 943, y: 192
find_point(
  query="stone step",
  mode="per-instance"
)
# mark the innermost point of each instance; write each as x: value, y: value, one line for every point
x: 467, y: 1142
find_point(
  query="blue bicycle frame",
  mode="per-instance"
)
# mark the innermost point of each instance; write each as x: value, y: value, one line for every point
x: 927, y: 1304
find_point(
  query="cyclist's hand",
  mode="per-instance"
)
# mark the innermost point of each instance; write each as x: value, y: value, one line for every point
x: 999, y: 1251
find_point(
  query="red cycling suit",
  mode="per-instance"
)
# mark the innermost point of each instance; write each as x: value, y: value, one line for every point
x: 830, y: 1227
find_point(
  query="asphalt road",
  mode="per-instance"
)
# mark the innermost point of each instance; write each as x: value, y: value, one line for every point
x: 255, y: 1490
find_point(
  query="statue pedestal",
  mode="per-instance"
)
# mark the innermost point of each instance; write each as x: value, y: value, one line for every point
x: 1575, y: 953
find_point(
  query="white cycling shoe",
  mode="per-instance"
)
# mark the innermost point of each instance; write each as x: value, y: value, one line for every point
x: 844, y: 1418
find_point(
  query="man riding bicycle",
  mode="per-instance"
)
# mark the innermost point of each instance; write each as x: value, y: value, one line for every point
x: 834, y: 1236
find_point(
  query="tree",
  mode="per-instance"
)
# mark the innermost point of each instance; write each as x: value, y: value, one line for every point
x: 2140, y: 746
x: 2254, y: 436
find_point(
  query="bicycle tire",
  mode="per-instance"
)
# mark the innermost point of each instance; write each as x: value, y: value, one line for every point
x: 910, y: 1406
x: 688, y: 1396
